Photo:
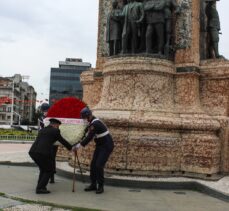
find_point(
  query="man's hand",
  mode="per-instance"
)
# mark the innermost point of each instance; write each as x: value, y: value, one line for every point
x: 76, y: 147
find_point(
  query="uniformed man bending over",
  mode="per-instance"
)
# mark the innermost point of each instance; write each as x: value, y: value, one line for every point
x: 44, y: 108
x: 41, y: 153
x: 98, y: 131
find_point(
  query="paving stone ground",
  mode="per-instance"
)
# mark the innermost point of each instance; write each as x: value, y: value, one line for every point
x: 20, y: 182
x: 18, y: 153
x: 30, y: 207
x: 5, y: 202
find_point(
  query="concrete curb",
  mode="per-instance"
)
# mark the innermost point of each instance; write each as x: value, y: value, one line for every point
x: 25, y: 164
x: 15, y: 142
x: 194, y: 186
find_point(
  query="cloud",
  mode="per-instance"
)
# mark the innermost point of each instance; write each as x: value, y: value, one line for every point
x: 36, y: 34
x: 58, y: 21
x: 5, y: 39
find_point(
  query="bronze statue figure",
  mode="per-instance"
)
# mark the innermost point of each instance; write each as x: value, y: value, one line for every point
x: 135, y: 26
x: 155, y: 20
x: 114, y: 29
x: 133, y: 14
x: 213, y: 28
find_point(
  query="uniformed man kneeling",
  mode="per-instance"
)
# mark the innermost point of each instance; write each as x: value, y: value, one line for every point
x: 41, y: 153
x: 98, y: 131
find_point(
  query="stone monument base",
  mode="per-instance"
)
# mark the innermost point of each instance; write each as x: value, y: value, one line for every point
x: 158, y: 128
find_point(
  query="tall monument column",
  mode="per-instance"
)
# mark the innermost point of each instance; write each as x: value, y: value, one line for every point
x: 102, y: 51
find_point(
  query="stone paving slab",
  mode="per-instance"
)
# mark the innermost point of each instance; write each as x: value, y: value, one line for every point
x: 4, y: 203
x: 15, y: 153
x: 221, y: 186
x: 32, y: 207
x: 18, y: 153
x: 21, y: 181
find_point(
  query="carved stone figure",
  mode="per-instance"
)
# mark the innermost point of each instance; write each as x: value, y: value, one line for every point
x: 170, y: 6
x: 155, y: 20
x: 114, y: 29
x: 213, y: 28
x: 133, y: 14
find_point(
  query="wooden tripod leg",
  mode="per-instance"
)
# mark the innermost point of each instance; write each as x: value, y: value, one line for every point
x: 74, y: 173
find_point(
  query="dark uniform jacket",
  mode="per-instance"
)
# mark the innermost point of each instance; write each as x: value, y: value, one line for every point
x: 45, y: 140
x: 41, y: 122
x: 98, y: 130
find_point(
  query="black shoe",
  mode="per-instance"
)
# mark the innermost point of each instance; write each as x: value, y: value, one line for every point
x: 91, y: 187
x: 42, y: 191
x: 100, y: 190
x: 52, y: 181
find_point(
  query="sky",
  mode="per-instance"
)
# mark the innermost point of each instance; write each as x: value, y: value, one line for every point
x: 36, y: 34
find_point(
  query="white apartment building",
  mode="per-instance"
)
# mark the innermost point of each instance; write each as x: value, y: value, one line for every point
x: 22, y: 108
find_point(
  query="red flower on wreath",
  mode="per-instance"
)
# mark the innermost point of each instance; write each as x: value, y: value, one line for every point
x: 69, y: 107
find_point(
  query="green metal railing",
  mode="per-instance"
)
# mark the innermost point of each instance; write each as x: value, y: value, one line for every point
x: 18, y: 137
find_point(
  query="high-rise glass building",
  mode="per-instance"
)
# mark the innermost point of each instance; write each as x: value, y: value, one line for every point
x: 65, y: 80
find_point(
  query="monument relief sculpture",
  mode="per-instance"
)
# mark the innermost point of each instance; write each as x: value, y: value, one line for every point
x: 141, y: 26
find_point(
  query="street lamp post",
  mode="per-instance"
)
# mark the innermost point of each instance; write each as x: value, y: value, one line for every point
x: 19, y: 118
x: 12, y: 105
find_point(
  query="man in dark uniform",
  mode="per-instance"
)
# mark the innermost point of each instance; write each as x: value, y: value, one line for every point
x: 41, y: 152
x: 44, y: 108
x: 104, y: 147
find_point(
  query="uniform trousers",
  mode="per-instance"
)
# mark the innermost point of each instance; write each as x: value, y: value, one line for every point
x: 54, y: 152
x: 45, y: 164
x: 100, y: 157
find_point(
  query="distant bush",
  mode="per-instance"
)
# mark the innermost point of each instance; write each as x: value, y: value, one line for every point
x: 16, y: 132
